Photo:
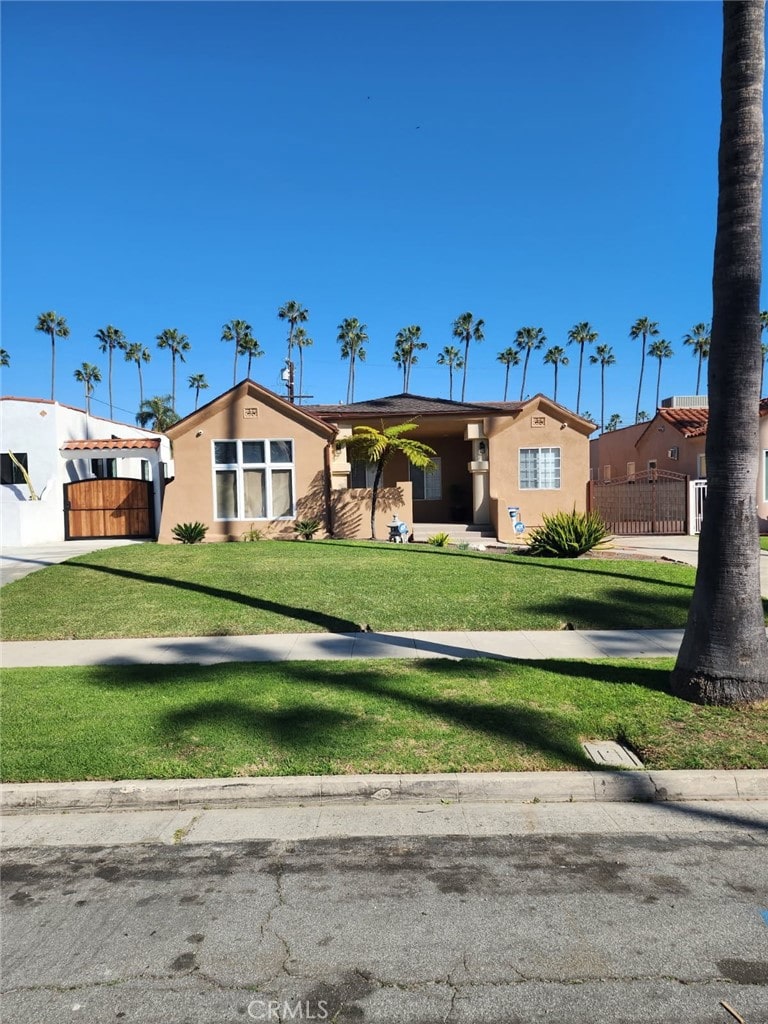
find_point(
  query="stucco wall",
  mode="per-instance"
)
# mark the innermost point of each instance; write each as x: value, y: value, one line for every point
x: 615, y: 448
x: 352, y: 510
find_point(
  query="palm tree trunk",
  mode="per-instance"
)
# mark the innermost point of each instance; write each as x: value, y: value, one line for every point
x: 301, y: 372
x: 698, y: 375
x: 234, y: 371
x: 53, y: 363
x: 375, y: 496
x: 556, y: 369
x: 723, y: 658
x: 658, y: 384
x: 110, y: 383
x: 450, y: 382
x: 197, y: 397
x: 351, y: 379
x: 141, y: 385
x: 640, y: 383
x: 602, y: 399
x: 578, y: 387
x: 464, y: 375
x: 525, y: 372
x: 506, y: 381
x: 173, y: 379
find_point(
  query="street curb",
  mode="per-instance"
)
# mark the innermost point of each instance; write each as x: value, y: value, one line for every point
x: 496, y: 787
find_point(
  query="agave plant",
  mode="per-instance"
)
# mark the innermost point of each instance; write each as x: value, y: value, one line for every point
x: 567, y: 534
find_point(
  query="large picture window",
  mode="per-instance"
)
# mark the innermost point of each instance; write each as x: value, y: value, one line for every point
x: 427, y: 483
x: 253, y: 479
x: 539, y: 469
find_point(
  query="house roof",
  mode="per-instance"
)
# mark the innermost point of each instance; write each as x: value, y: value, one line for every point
x: 406, y: 404
x: 112, y: 444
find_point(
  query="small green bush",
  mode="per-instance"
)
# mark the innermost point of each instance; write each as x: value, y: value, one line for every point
x: 439, y: 540
x: 253, y: 534
x: 567, y: 534
x: 307, y: 528
x: 190, y: 533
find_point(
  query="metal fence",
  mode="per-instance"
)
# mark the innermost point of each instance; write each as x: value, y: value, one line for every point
x: 644, y: 503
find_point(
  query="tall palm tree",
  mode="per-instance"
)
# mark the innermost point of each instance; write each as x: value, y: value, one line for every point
x: 5, y: 359
x: 137, y: 353
x: 177, y: 345
x: 723, y: 658
x: 295, y: 314
x: 603, y: 355
x: 90, y: 376
x: 581, y: 334
x: 508, y: 357
x: 199, y: 383
x: 352, y: 337
x: 378, y: 446
x: 109, y: 339
x: 613, y: 423
x: 661, y: 350
x: 301, y: 340
x: 556, y: 357
x: 157, y: 413
x: 645, y: 329
x: 55, y: 327
x: 452, y: 358
x: 250, y: 347
x: 527, y: 340
x: 699, y: 340
x: 407, y: 343
x: 467, y: 329
x: 241, y: 333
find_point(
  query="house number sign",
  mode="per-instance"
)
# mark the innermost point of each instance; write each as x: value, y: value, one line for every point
x: 538, y: 421
x: 250, y: 412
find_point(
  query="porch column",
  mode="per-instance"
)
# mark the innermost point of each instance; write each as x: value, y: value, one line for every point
x: 478, y: 468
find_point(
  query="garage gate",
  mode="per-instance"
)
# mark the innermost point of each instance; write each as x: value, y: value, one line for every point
x: 108, y: 508
x: 655, y: 502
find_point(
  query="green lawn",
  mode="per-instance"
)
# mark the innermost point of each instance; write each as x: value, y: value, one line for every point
x: 337, y: 586
x: 357, y: 716
x: 764, y: 543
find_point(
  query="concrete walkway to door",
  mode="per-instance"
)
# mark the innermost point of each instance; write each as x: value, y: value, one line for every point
x: 18, y: 562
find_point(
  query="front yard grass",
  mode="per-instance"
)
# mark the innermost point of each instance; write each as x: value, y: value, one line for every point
x: 335, y: 586
x: 359, y: 716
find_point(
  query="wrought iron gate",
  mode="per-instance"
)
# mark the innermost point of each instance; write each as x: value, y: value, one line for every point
x: 652, y: 502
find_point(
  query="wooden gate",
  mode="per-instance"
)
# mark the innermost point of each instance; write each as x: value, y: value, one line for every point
x: 108, y: 508
x: 652, y: 502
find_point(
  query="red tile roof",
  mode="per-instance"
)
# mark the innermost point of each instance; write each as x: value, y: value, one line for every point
x: 690, y: 422
x: 111, y: 443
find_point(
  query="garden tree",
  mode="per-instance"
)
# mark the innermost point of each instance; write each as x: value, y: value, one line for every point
x: 407, y: 343
x: 581, y: 334
x: 450, y: 357
x: 661, y: 350
x: 177, y: 345
x: 241, y: 333
x: 157, y: 413
x: 723, y: 658
x: 199, y: 383
x: 301, y: 340
x: 55, y: 327
x: 645, y: 329
x: 109, y: 339
x: 378, y: 446
x: 467, y: 329
x: 137, y: 353
x: 5, y: 359
x: 699, y: 340
x: 527, y: 339
x: 250, y: 347
x: 295, y: 314
x: 90, y: 376
x: 352, y: 337
x: 613, y: 423
x: 508, y: 357
x: 556, y: 357
x: 605, y: 357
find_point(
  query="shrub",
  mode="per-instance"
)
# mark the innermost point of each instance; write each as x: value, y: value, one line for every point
x: 253, y: 534
x: 567, y: 534
x: 439, y: 540
x: 190, y: 533
x: 307, y: 528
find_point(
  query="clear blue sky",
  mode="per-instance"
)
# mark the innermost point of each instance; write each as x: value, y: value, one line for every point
x: 183, y: 164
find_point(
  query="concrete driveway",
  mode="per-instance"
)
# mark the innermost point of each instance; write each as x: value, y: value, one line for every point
x: 18, y: 562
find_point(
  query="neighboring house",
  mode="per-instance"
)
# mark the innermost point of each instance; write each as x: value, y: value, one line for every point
x: 93, y: 477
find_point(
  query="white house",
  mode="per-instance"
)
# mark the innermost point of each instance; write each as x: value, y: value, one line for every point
x: 93, y: 477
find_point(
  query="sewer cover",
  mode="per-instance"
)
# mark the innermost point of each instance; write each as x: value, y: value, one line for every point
x: 606, y: 752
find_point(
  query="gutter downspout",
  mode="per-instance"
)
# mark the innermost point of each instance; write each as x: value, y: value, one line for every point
x: 327, y: 456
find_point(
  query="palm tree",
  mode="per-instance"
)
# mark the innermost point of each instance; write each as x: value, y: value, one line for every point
x: 452, y: 358
x: 557, y: 357
x: 352, y: 337
x: 581, y: 334
x: 295, y: 314
x: 378, y: 446
x: 407, y: 344
x: 699, y: 340
x: 467, y: 329
x: 527, y: 339
x: 660, y: 350
x: 55, y: 327
x: 5, y: 359
x: 645, y: 329
x: 613, y: 423
x: 109, y: 339
x: 137, y: 353
x: 199, y: 383
x: 157, y: 413
x: 241, y: 333
x: 508, y: 357
x: 250, y: 347
x: 604, y: 355
x: 177, y: 345
x: 723, y: 658
x: 301, y: 340
x: 90, y: 376
x: 642, y: 416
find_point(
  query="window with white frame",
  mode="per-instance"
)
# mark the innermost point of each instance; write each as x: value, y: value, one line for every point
x: 253, y: 479
x: 540, y: 469
x: 427, y: 483
x: 701, y: 466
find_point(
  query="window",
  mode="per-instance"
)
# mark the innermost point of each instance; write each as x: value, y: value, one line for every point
x: 606, y: 472
x: 104, y: 469
x: 539, y: 468
x: 253, y: 479
x: 630, y: 471
x: 9, y: 471
x: 362, y: 474
x: 427, y: 483
x: 701, y: 466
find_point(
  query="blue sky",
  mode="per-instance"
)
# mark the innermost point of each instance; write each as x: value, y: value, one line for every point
x: 183, y: 164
